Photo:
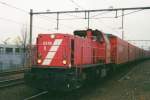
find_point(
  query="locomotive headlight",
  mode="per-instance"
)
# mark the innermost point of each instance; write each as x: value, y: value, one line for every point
x: 52, y: 36
x: 64, y: 62
x: 69, y: 66
x: 39, y: 61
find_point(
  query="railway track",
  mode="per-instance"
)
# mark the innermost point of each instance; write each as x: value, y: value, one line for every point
x: 11, y: 82
x: 95, y: 91
x: 12, y: 77
x: 36, y: 95
x: 11, y: 72
x: 75, y: 95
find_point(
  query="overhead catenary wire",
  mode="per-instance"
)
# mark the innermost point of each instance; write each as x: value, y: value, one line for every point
x: 99, y: 14
x: 42, y: 16
x: 130, y: 12
x: 21, y: 10
x: 108, y: 27
x: 75, y: 3
x: 20, y: 23
x: 73, y: 16
x: 94, y: 10
x: 14, y: 7
x: 76, y: 17
x: 125, y: 14
x: 12, y: 21
x: 82, y: 11
x: 94, y: 16
x: 17, y: 8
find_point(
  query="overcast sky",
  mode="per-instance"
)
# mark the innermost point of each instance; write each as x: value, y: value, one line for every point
x: 136, y: 26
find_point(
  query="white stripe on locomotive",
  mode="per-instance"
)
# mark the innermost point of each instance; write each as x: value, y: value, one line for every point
x: 52, y: 51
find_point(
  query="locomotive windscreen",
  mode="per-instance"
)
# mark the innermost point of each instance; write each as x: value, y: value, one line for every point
x: 98, y: 34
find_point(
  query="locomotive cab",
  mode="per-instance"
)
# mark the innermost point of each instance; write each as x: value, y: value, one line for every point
x: 91, y: 34
x: 101, y: 41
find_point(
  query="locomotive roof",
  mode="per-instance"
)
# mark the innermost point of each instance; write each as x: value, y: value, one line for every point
x: 84, y: 32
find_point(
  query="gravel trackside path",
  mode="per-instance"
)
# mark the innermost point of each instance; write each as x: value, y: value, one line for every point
x: 135, y: 85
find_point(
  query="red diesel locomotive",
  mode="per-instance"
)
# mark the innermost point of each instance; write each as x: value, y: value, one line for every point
x: 65, y: 62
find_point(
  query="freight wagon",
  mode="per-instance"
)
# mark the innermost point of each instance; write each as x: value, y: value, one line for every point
x: 66, y: 62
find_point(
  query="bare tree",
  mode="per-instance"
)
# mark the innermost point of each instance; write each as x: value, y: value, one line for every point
x: 24, y: 36
x: 24, y: 32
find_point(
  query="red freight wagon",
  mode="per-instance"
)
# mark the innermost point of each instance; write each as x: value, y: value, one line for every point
x: 131, y: 52
x: 119, y: 50
x: 137, y: 53
x: 147, y: 53
x: 141, y: 53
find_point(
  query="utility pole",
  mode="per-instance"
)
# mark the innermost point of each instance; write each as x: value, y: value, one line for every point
x: 30, y: 40
x: 31, y: 22
x: 88, y: 19
x: 122, y: 24
x: 87, y: 16
x: 57, y: 21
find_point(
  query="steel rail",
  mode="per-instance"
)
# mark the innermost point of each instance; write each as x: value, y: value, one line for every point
x: 36, y: 95
x: 11, y: 72
x: 11, y: 82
